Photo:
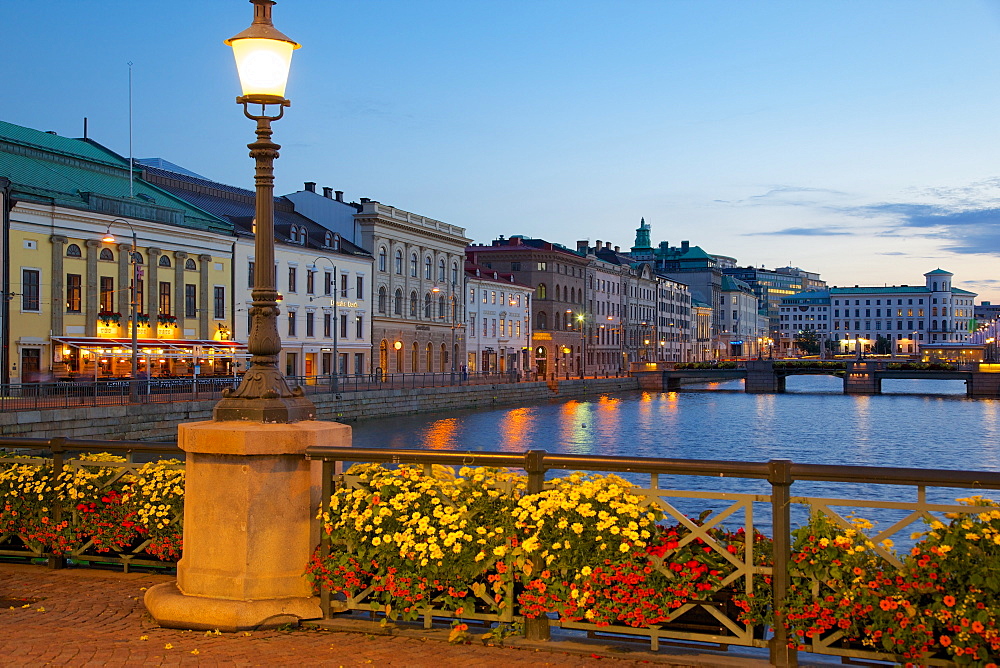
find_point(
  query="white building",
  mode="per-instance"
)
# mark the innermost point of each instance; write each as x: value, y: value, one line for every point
x: 674, y: 320
x: 498, y: 321
x: 738, y: 318
x: 904, y: 315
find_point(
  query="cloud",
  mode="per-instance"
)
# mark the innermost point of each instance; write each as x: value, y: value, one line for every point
x: 827, y: 231
x: 784, y: 195
x: 962, y: 230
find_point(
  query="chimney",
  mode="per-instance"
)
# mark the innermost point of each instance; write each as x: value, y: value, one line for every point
x: 582, y: 247
x: 607, y: 245
x: 599, y: 244
x: 365, y: 200
x: 339, y: 194
x: 311, y: 186
x: 685, y: 245
x: 617, y: 248
x: 328, y: 193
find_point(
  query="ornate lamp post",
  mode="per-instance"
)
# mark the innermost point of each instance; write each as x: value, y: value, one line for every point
x: 263, y: 56
x: 133, y: 389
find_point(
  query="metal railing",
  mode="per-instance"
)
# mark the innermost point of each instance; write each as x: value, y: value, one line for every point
x: 780, y: 474
x: 70, y: 394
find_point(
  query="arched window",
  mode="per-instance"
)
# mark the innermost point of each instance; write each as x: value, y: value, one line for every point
x: 557, y: 320
x: 429, y: 355
x: 413, y: 303
x: 414, y: 357
x: 399, y: 261
x: 106, y: 254
x: 441, y: 306
x: 427, y: 305
x: 381, y: 258
x: 454, y: 273
x: 164, y: 261
x: 444, y: 357
x: 543, y: 321
x: 328, y: 239
x: 397, y: 302
x: 933, y: 324
x: 441, y: 270
x: 413, y: 265
x: 382, y: 298
x: 303, y: 236
x: 427, y: 267
x: 540, y: 292
x: 73, y: 251
x: 189, y: 265
x: 572, y: 295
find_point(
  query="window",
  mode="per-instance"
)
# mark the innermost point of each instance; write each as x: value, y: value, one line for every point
x: 73, y: 251
x: 327, y: 283
x: 441, y: 270
x: 310, y: 323
x: 441, y: 306
x: 472, y: 324
x: 413, y: 265
x: 397, y: 302
x: 190, y: 301
x: 454, y: 274
x: 164, y: 261
x: 359, y: 288
x: 343, y: 325
x: 328, y: 239
x: 164, y: 297
x: 381, y: 258
x: 30, y: 290
x: 399, y: 262
x: 220, y: 302
x: 74, y: 291
x: 189, y: 265
x: 327, y: 321
x: 291, y: 323
x: 251, y: 266
x: 543, y: 322
x: 106, y: 254
x: 310, y: 282
x: 291, y: 279
x: 343, y: 285
x: 382, y: 298
x: 427, y: 267
x: 427, y: 305
x: 107, y: 294
x: 540, y: 292
x: 515, y: 266
x: 413, y: 304
x: 543, y: 266
x: 359, y: 328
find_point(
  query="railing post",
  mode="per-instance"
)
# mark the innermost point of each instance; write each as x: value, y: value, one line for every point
x: 534, y: 466
x: 780, y: 477
x: 326, y: 491
x: 58, y: 447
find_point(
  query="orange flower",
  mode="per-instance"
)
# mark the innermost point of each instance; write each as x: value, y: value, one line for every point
x: 977, y: 626
x: 949, y: 600
x: 944, y: 640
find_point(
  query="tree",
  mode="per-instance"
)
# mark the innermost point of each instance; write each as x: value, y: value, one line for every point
x: 883, y: 346
x: 807, y: 341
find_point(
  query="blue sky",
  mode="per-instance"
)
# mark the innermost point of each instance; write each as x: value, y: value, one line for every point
x: 856, y: 139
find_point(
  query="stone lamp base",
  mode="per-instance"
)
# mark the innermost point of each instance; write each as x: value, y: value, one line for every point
x: 249, y: 506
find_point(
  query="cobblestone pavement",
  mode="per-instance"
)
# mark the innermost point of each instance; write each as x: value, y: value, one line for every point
x: 87, y: 617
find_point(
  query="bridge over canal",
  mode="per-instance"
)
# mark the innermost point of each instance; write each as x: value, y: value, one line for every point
x: 982, y: 381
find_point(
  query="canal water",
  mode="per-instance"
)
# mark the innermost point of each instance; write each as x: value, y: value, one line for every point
x: 914, y: 423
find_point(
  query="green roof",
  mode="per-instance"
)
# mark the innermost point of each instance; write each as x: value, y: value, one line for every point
x: 82, y: 174
x: 939, y: 272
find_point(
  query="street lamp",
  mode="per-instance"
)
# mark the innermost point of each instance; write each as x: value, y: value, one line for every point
x: 263, y: 56
x: 133, y: 389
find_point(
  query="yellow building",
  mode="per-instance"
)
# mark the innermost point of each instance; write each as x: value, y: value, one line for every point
x: 69, y: 293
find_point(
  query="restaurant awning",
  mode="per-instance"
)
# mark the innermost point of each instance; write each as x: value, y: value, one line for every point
x: 188, y: 347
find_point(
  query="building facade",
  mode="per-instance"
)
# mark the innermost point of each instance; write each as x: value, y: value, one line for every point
x: 418, y: 290
x: 903, y: 316
x: 498, y: 322
x: 70, y: 293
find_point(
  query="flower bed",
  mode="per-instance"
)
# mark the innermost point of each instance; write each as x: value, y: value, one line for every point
x: 943, y: 603
x: 589, y: 549
x: 97, y: 505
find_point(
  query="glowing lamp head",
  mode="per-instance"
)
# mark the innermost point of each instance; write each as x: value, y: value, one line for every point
x: 263, y: 57
x: 108, y: 238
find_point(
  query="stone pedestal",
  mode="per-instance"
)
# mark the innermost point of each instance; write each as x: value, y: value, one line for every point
x: 761, y: 378
x: 249, y: 504
x: 862, y: 378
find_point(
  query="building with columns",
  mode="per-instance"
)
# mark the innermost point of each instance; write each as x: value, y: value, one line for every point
x: 69, y: 294
x: 324, y: 279
x: 417, y: 289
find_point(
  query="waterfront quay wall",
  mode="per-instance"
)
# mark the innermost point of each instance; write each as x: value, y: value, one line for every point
x: 158, y: 422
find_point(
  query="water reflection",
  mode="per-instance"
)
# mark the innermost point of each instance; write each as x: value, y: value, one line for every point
x: 441, y: 435
x: 515, y: 429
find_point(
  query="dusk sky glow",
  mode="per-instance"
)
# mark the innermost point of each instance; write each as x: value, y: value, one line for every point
x: 856, y: 139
